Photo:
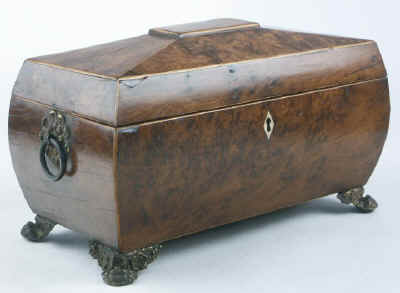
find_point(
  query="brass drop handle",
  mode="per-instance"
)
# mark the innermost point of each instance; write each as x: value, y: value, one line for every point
x: 54, y: 144
x: 56, y: 153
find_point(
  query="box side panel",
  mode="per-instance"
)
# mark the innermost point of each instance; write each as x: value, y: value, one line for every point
x: 175, y: 93
x: 83, y: 200
x: 89, y: 96
x: 183, y: 175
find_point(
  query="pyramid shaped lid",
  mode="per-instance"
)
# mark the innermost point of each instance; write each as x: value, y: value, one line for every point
x: 191, y: 45
x: 184, y: 69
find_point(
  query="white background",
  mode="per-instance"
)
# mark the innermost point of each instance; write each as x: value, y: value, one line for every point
x: 320, y: 246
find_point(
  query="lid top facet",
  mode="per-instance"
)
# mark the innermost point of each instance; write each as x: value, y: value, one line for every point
x: 203, y: 28
x: 190, y: 46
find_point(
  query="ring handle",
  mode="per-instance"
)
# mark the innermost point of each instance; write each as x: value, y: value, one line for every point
x: 54, y: 143
x: 60, y: 155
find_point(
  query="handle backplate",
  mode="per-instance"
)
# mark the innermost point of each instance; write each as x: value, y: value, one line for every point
x: 54, y: 144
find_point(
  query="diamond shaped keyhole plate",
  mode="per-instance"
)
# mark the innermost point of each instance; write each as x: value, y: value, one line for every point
x: 269, y: 125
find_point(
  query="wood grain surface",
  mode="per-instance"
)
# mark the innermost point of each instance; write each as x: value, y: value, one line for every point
x: 148, y: 54
x: 232, y: 47
x: 157, y: 96
x: 167, y: 95
x: 203, y: 28
x: 89, y: 96
x: 84, y: 199
x: 167, y: 133
x: 184, y: 175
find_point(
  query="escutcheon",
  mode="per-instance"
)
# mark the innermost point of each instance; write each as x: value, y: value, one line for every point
x: 269, y: 125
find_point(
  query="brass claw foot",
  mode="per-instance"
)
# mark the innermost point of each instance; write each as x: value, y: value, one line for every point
x: 120, y: 269
x: 39, y: 230
x: 355, y: 196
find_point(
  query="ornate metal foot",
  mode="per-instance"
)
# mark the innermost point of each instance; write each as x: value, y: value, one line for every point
x: 355, y: 196
x: 120, y: 269
x: 39, y: 230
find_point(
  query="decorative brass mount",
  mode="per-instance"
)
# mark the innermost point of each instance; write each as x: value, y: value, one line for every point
x: 120, y: 269
x: 55, y: 145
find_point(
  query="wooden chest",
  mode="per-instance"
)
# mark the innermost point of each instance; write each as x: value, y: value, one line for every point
x: 190, y: 127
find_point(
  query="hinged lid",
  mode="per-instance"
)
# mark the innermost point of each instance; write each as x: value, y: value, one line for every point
x: 191, y: 68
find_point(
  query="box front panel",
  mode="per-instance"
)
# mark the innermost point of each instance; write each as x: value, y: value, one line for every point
x: 184, y: 175
x: 83, y: 199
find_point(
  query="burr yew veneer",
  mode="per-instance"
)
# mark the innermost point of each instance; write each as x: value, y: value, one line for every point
x: 190, y: 127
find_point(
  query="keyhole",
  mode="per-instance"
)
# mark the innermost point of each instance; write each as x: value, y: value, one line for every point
x: 268, y: 124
